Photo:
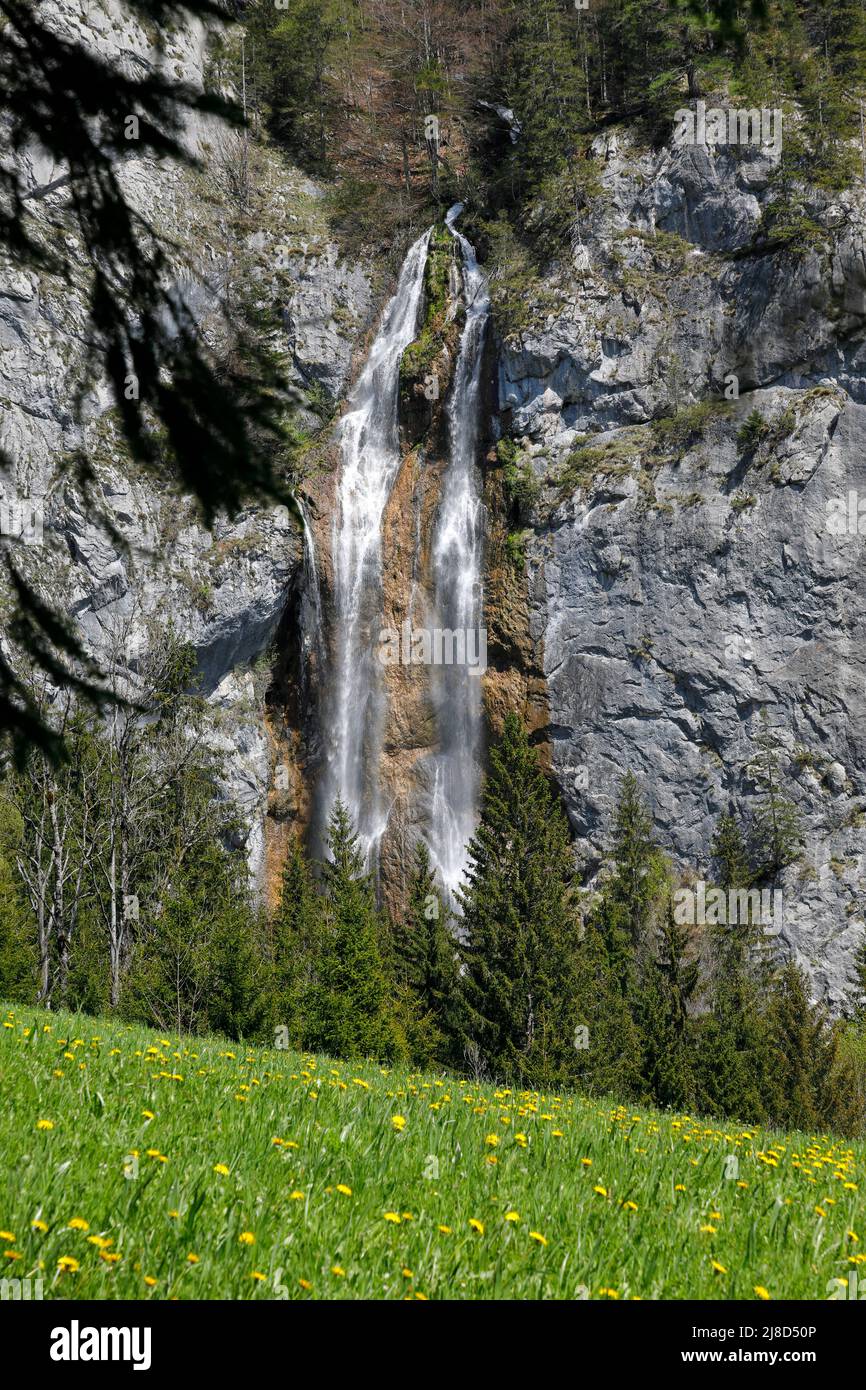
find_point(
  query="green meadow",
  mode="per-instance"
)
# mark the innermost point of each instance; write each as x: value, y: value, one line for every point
x: 139, y: 1165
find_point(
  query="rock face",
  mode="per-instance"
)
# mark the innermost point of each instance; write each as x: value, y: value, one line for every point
x: 688, y: 572
x: 689, y: 565
x: 225, y: 590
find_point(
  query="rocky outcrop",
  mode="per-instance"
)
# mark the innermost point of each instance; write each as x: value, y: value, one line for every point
x: 226, y: 590
x: 694, y: 560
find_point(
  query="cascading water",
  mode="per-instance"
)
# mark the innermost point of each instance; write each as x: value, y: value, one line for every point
x: 457, y: 590
x: 370, y: 451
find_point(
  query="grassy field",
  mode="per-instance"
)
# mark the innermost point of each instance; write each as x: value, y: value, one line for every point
x: 139, y: 1166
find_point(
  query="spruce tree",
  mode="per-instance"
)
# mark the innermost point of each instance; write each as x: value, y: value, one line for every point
x: 619, y: 949
x: 296, y: 942
x: 729, y: 852
x: 427, y: 962
x: 352, y: 1001
x: 669, y: 983
x: 803, y: 1047
x: 18, y: 956
x: 776, y: 833
x: 518, y: 989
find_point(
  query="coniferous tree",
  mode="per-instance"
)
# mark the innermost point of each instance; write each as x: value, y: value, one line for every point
x: 353, y: 998
x: 776, y: 832
x: 803, y: 1047
x: 669, y: 984
x: 18, y: 957
x: 296, y: 942
x: 619, y: 948
x: 729, y: 852
x: 427, y: 961
x: 518, y: 989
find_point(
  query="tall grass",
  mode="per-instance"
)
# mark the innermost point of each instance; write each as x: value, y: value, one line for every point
x: 135, y: 1165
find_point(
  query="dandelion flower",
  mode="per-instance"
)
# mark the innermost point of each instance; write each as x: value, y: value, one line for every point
x: 66, y: 1262
x: 537, y: 1237
x: 399, y: 1122
x: 602, y: 1191
x: 512, y: 1216
x: 222, y: 1169
x: 720, y: 1269
x: 257, y: 1276
x: 339, y: 1271
x: 44, y: 1124
x: 762, y: 1292
x: 247, y: 1238
x: 476, y: 1225
x: 346, y: 1191
x: 446, y: 1230
x: 192, y: 1259
x: 39, y: 1225
x: 79, y: 1224
x: 393, y: 1216
x: 149, y: 1281
x: 296, y: 1196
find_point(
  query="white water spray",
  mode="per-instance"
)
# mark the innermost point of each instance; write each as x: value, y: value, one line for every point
x: 369, y: 444
x: 457, y: 589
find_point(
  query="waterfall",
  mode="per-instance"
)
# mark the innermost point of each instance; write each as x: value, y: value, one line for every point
x: 457, y: 590
x: 368, y: 438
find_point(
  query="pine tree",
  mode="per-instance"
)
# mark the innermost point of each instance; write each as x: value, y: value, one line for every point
x: 18, y: 957
x: 296, y: 943
x: 669, y: 983
x: 619, y: 948
x: 776, y: 834
x: 729, y: 852
x: 518, y: 989
x: 803, y: 1047
x: 352, y: 1010
x: 427, y: 961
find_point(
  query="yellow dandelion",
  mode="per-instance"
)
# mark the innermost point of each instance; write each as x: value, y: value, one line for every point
x: 346, y: 1191
x: 257, y: 1276
x: 150, y: 1281
x: 762, y: 1292
x: 148, y: 1114
x: 79, y: 1224
x: 720, y: 1269
x: 399, y: 1122
x: 110, y: 1257
x: 476, y: 1225
x: 222, y: 1169
x: 629, y: 1206
x: 44, y: 1124
x: 339, y: 1271
x: 296, y: 1196
x: 446, y: 1230
x: 537, y: 1237
x: 247, y: 1238
x: 305, y: 1284
x: 39, y: 1225
x: 393, y: 1216
x: 602, y: 1191
x: 192, y: 1259
x: 66, y: 1262
x: 512, y: 1216
x: 407, y: 1274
